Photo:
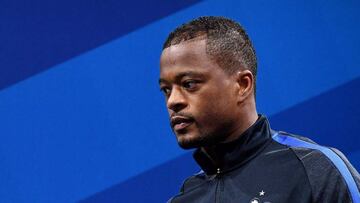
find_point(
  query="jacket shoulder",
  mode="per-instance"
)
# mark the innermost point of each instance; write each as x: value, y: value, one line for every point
x: 330, y: 174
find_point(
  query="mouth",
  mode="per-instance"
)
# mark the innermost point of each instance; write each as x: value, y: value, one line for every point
x: 179, y: 123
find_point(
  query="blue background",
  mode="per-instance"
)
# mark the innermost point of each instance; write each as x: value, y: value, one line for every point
x: 81, y: 115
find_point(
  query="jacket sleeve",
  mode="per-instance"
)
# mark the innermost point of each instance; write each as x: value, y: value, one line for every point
x: 354, y: 189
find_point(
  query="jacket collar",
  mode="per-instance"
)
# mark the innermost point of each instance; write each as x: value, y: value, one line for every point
x: 233, y: 154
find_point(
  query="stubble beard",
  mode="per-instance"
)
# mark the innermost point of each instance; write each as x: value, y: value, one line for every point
x: 202, y: 139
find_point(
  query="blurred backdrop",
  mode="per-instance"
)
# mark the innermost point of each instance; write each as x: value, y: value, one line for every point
x: 81, y: 114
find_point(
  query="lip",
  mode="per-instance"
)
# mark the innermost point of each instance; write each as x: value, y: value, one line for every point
x: 179, y: 123
x: 182, y: 126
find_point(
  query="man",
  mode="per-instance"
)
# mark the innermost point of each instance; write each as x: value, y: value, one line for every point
x: 208, y: 75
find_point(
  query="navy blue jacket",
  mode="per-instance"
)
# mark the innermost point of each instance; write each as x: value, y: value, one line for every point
x: 271, y: 167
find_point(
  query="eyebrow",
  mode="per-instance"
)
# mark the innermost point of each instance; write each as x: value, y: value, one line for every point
x: 183, y: 74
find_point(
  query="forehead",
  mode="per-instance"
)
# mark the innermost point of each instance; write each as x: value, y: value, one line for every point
x: 187, y: 56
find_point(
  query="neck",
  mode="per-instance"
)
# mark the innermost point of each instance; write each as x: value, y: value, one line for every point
x: 246, y: 118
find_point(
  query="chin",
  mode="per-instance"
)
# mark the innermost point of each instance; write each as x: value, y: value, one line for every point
x: 194, y: 140
x: 187, y: 142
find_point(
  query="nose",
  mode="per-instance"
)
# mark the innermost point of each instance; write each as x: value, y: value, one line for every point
x: 176, y: 101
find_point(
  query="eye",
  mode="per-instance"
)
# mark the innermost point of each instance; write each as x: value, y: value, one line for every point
x: 165, y: 90
x: 189, y: 84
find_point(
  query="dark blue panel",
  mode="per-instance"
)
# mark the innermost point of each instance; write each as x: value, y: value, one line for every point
x: 35, y: 35
x: 155, y: 185
x: 330, y: 119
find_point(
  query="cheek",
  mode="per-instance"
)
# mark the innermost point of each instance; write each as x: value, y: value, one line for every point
x: 211, y: 112
x: 218, y: 105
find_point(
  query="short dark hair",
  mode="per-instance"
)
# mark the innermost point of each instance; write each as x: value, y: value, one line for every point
x: 227, y: 42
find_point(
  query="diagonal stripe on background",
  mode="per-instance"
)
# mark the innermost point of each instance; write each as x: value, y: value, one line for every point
x: 36, y: 35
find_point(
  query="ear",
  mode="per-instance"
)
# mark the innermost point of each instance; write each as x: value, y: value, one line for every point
x: 245, y: 82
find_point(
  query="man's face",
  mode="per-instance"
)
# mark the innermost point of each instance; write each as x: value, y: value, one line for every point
x: 201, y: 98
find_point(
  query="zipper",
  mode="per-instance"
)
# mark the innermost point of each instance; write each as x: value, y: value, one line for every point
x: 219, y: 186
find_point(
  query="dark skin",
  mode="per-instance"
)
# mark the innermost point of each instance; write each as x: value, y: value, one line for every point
x: 206, y: 105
